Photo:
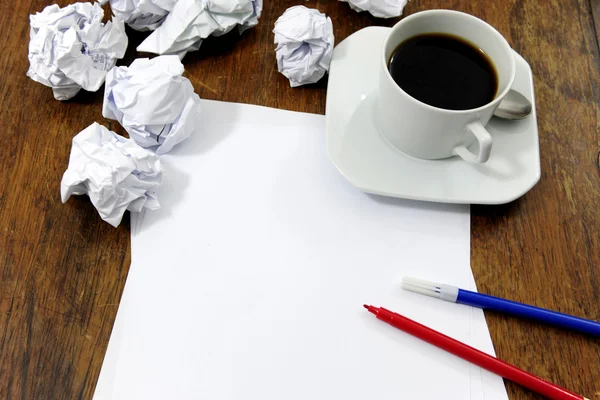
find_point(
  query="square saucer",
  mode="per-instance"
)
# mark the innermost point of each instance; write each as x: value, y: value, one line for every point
x: 369, y: 162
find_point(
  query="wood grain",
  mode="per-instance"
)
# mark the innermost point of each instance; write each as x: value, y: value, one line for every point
x: 62, y: 269
x: 595, y: 5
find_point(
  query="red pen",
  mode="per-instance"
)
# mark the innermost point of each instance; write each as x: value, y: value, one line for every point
x: 474, y: 356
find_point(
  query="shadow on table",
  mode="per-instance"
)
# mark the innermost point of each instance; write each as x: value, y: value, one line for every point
x: 494, y: 214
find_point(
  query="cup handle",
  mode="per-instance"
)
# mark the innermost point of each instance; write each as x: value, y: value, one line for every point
x: 485, y: 145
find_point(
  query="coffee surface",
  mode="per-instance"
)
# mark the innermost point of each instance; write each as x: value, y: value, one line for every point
x: 444, y: 71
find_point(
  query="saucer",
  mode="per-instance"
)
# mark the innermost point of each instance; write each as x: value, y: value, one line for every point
x: 370, y: 163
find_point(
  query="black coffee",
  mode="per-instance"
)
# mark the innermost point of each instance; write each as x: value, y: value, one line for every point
x: 444, y: 71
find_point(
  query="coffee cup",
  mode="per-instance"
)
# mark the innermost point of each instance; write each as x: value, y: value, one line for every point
x: 428, y: 132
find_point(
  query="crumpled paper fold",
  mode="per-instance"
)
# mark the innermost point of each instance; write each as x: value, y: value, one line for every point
x: 141, y: 15
x: 155, y: 104
x: 113, y: 171
x: 192, y: 21
x: 70, y: 48
x: 379, y: 8
x: 304, y: 39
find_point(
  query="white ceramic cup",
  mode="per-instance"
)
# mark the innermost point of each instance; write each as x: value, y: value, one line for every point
x: 428, y: 132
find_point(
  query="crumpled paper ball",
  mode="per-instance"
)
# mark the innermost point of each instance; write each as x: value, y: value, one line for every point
x: 155, y: 104
x: 379, y: 8
x: 192, y: 21
x: 113, y: 171
x: 70, y: 48
x: 304, y: 39
x: 141, y: 15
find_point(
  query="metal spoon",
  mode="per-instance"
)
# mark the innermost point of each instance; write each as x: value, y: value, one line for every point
x: 513, y: 106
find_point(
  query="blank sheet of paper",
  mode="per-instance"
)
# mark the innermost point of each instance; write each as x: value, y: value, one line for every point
x: 249, y: 282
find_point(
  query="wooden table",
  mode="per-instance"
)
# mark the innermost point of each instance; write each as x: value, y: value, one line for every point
x: 62, y: 269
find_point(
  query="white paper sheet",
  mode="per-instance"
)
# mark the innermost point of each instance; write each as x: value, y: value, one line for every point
x: 249, y: 282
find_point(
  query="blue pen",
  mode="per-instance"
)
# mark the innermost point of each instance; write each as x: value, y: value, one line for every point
x: 456, y: 295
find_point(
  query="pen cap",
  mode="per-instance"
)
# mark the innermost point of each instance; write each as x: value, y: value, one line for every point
x: 438, y: 290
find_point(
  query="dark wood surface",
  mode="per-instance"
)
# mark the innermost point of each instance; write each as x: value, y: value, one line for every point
x: 62, y: 269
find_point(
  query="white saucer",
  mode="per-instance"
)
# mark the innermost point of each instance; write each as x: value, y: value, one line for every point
x: 366, y: 159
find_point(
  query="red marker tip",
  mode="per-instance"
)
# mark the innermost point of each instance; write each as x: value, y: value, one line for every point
x: 371, y: 309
